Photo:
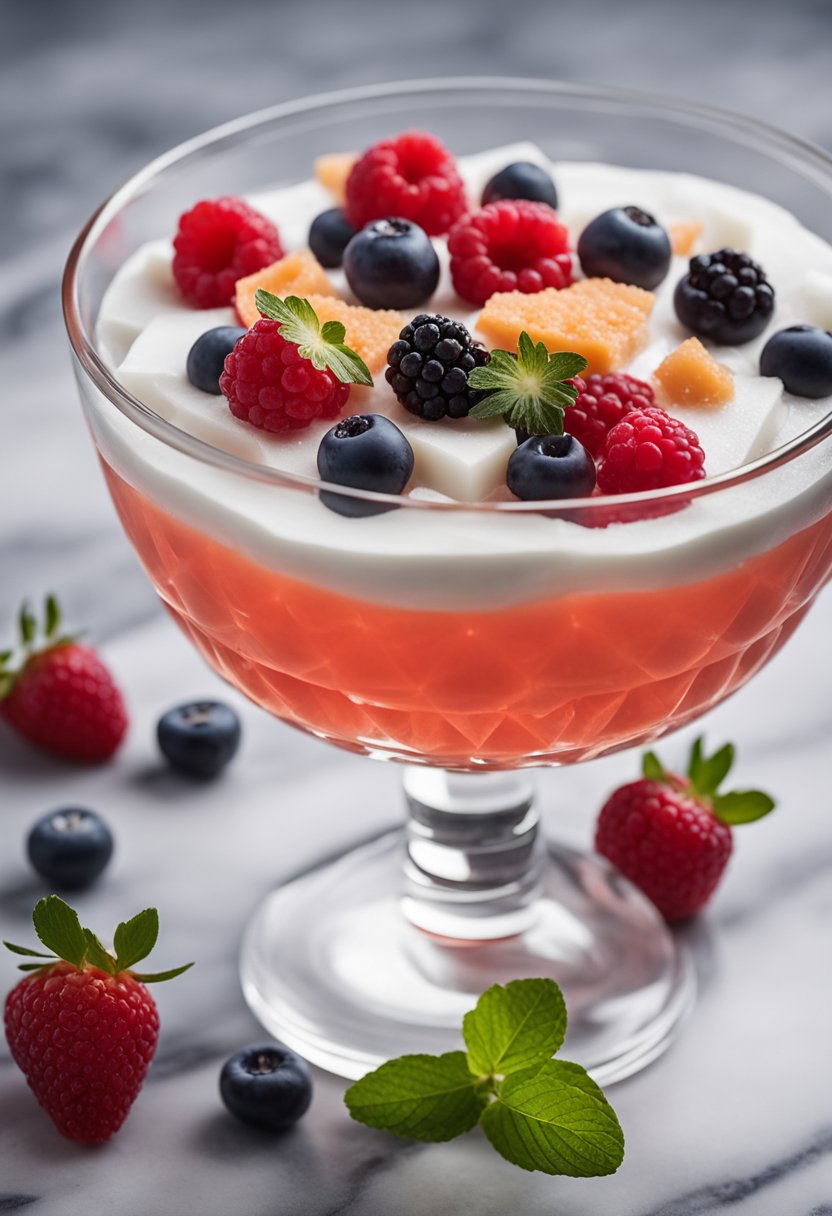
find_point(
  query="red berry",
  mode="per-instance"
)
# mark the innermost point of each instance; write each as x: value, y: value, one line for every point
x: 65, y: 700
x: 665, y: 841
x: 511, y: 245
x: 648, y: 450
x: 218, y: 242
x: 269, y: 384
x: 413, y: 177
x: 84, y: 1041
x: 602, y: 402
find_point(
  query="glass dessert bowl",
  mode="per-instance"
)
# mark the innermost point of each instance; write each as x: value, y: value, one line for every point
x: 471, y: 641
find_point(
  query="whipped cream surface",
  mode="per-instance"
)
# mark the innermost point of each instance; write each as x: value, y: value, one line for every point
x: 479, y: 558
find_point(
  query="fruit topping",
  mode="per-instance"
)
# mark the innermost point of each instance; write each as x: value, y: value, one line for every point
x: 627, y: 245
x: 648, y: 450
x: 683, y: 237
x: 199, y: 738
x: 602, y: 402
x: 61, y: 697
x: 391, y: 263
x: 367, y: 452
x: 513, y: 245
x: 218, y: 242
x: 603, y: 321
x: 266, y: 1085
x: 522, y: 179
x: 289, y: 368
x: 413, y: 176
x: 529, y: 390
x: 671, y: 835
x: 329, y: 234
x: 800, y: 356
x: 550, y: 466
x: 369, y: 331
x: 725, y: 296
x: 70, y: 847
x: 82, y: 1028
x: 332, y: 171
x: 691, y: 376
x: 429, y: 366
x: 298, y: 274
x: 207, y: 356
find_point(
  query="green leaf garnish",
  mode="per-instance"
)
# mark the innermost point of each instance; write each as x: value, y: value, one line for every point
x: 652, y: 767
x: 59, y: 929
x: 742, y: 806
x: 323, y: 344
x: 159, y: 977
x: 557, y: 1120
x: 539, y: 1113
x: 527, y: 390
x: 421, y: 1097
x: 515, y: 1027
x: 704, y: 777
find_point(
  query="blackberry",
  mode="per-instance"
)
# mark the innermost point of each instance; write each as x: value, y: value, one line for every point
x: 725, y: 296
x: 429, y: 366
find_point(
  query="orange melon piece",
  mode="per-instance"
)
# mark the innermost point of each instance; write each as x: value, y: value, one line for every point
x: 605, y: 322
x: 691, y: 376
x: 683, y: 237
x: 297, y: 274
x: 370, y: 331
x: 333, y: 170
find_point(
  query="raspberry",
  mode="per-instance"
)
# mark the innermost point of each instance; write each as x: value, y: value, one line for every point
x: 269, y: 384
x: 648, y: 450
x: 511, y: 245
x: 413, y: 177
x: 217, y: 243
x: 602, y: 402
x: 429, y: 366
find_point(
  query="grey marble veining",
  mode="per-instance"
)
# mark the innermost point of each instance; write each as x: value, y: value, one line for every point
x: 736, y: 1118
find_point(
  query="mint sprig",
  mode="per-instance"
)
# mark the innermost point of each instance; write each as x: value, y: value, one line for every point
x: 59, y: 929
x: 323, y: 345
x: 705, y: 775
x: 538, y: 1113
x: 527, y: 390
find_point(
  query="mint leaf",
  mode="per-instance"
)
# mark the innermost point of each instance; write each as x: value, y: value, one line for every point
x: 514, y: 1027
x: 422, y: 1097
x: 135, y: 938
x: 706, y: 775
x: 159, y: 977
x: 527, y: 389
x: 556, y: 1120
x: 58, y: 927
x: 97, y: 955
x: 742, y: 806
x: 323, y: 345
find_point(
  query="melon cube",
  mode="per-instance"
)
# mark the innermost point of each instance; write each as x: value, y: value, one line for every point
x: 683, y: 237
x: 691, y: 376
x: 296, y: 274
x: 333, y: 170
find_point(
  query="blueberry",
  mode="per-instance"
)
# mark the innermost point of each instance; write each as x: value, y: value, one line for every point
x: 521, y: 180
x: 207, y: 355
x: 626, y: 245
x: 199, y: 738
x: 391, y: 264
x: 329, y: 236
x: 551, y: 466
x: 70, y: 847
x: 366, y: 451
x: 266, y: 1085
x: 800, y: 356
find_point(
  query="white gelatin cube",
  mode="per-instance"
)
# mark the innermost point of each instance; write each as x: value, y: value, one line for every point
x: 742, y: 429
x: 818, y: 288
x: 726, y: 229
x: 143, y: 289
x: 463, y: 459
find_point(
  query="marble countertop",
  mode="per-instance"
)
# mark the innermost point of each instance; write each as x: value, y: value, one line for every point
x: 736, y: 1117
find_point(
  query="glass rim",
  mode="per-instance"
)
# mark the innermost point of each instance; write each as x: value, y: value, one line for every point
x: 814, y: 162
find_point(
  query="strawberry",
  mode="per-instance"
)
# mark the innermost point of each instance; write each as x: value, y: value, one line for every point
x: 671, y: 835
x: 61, y: 697
x: 83, y: 1026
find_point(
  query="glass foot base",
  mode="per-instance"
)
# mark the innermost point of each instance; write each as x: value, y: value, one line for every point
x: 332, y: 967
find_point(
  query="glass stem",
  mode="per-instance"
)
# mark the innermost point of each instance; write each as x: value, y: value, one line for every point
x: 474, y: 856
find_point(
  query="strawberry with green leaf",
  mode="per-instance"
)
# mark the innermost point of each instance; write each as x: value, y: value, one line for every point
x: 83, y: 1027
x: 671, y: 835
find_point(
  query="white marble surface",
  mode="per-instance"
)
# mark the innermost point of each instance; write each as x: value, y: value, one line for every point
x: 737, y: 1117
